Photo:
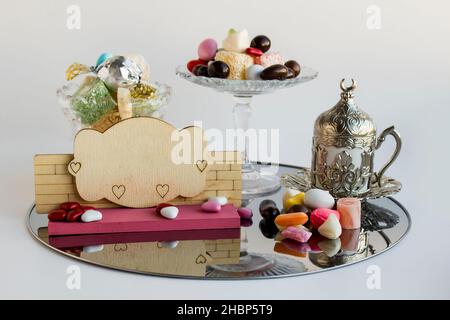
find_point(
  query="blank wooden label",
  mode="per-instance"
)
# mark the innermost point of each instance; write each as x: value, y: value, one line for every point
x: 139, y: 162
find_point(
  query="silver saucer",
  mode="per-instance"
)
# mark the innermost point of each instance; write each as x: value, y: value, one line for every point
x: 301, y: 180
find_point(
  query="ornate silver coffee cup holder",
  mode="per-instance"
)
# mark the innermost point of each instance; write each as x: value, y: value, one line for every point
x: 301, y: 180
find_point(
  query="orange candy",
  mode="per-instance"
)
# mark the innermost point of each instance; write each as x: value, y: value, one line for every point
x: 291, y: 219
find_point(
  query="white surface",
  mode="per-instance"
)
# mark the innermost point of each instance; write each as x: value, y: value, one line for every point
x: 403, y: 73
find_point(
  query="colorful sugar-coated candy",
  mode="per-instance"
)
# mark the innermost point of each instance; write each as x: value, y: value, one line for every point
x: 191, y: 64
x: 220, y: 199
x: 207, y: 49
x: 245, y: 213
x: 269, y: 59
x: 331, y: 228
x: 74, y: 214
x: 93, y: 248
x: 291, y: 247
x: 274, y: 72
x: 211, y: 206
x: 317, y: 198
x: 350, y: 211
x: 254, y: 72
x: 294, y: 66
x: 57, y: 215
x: 200, y: 70
x: 85, y: 208
x: 290, y: 74
x: 289, y: 193
x: 69, y: 205
x: 103, y: 57
x: 238, y: 63
x: 246, y: 222
x: 319, y: 215
x: 162, y: 205
x: 330, y: 247
x: 169, y: 212
x: 268, y: 228
x: 298, y: 199
x: 283, y: 221
x: 168, y: 244
x: 268, y: 209
x: 254, y: 52
x: 91, y: 216
x: 218, y: 69
x: 297, y: 234
x: 261, y: 42
x: 299, y: 208
x: 236, y: 41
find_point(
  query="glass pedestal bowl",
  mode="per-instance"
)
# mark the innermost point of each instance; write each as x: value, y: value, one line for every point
x: 254, y: 182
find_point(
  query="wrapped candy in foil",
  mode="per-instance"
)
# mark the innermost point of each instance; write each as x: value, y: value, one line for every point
x: 92, y: 100
x: 118, y: 71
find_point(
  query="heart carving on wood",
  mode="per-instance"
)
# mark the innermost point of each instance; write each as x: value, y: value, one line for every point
x: 75, y: 167
x: 201, y: 165
x: 162, y: 189
x: 200, y: 259
x: 118, y: 191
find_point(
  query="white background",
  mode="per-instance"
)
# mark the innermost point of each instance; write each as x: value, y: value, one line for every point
x: 403, y: 75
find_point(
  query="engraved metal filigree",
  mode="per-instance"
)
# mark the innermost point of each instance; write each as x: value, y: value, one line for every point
x: 301, y: 180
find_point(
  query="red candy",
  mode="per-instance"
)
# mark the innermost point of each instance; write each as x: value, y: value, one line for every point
x: 320, y: 215
x: 74, y: 215
x: 254, y: 52
x: 86, y: 208
x: 57, y: 215
x: 191, y: 64
x: 162, y: 205
x: 69, y: 206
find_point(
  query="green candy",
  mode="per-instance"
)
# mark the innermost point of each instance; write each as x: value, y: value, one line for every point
x: 92, y: 100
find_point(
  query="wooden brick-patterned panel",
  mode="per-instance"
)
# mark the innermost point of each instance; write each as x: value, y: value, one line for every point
x: 53, y: 183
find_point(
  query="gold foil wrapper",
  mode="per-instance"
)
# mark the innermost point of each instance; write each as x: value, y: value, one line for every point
x: 75, y: 69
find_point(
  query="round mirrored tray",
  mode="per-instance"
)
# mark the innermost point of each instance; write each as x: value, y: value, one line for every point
x: 250, y: 252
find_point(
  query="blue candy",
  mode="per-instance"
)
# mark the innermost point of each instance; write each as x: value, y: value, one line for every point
x: 103, y: 57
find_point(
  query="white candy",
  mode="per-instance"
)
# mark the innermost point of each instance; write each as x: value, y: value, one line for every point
x: 93, y: 249
x: 316, y: 198
x: 330, y: 247
x: 221, y: 200
x: 331, y: 228
x: 169, y: 212
x: 253, y: 72
x: 168, y: 244
x: 236, y: 41
x: 289, y: 193
x: 91, y: 216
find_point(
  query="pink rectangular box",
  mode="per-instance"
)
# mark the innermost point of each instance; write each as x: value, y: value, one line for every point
x: 190, y: 217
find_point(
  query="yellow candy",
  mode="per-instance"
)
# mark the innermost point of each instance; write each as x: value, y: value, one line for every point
x: 297, y: 199
x: 76, y: 69
x: 289, y: 193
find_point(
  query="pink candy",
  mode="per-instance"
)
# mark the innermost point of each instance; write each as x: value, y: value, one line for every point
x: 350, y: 211
x: 297, y: 234
x: 268, y: 59
x: 211, y: 206
x: 245, y: 213
x: 207, y: 49
x: 319, y: 216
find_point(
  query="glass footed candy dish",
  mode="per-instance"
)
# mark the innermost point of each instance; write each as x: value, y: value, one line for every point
x: 254, y: 182
x: 87, y: 103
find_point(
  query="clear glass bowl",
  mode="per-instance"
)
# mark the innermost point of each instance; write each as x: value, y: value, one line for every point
x: 153, y: 107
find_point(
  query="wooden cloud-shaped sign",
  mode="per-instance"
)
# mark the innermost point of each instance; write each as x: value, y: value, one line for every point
x: 139, y: 162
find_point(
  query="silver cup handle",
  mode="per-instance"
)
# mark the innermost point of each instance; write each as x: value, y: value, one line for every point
x: 398, y: 140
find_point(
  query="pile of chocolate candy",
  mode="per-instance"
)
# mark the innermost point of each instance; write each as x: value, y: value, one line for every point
x: 117, y: 87
x: 309, y: 219
x: 242, y: 59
